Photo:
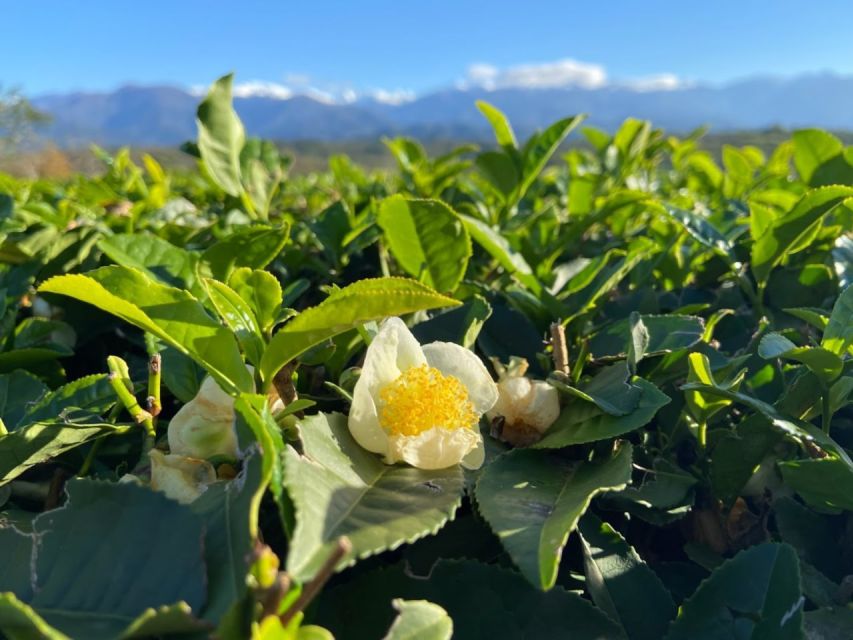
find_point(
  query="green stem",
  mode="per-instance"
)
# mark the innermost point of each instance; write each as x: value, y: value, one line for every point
x: 248, y: 206
x: 826, y: 410
x: 140, y: 415
x: 383, y: 260
x: 90, y: 458
x: 702, y: 434
x: 154, y: 375
x: 365, y: 334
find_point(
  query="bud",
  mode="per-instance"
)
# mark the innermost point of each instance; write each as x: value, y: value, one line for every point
x: 527, y: 407
x: 180, y: 478
x: 204, y: 427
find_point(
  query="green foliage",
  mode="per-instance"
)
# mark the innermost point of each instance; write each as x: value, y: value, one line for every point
x: 339, y: 489
x: 221, y: 136
x: 346, y: 309
x: 533, y: 501
x: 428, y: 240
x: 696, y: 479
x: 754, y: 595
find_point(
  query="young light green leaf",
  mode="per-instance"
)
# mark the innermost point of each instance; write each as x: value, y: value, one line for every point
x: 221, y: 136
x: 541, y: 147
x: 345, y: 309
x: 791, y: 232
x: 261, y: 291
x: 499, y: 169
x: 340, y: 489
x: 838, y: 335
x: 824, y: 363
x: 701, y: 405
x: 532, y: 500
x: 238, y: 317
x: 819, y: 158
x: 172, y: 315
x: 503, y: 130
x: 159, y: 259
x: 497, y: 247
x: 427, y: 238
x: 254, y: 248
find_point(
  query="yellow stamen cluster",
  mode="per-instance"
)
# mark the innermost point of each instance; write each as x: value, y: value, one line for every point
x: 423, y: 398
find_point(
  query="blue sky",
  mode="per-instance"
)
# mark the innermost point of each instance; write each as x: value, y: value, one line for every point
x: 415, y: 45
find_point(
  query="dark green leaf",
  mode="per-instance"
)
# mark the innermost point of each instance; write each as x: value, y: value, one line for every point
x: 580, y: 423
x: 754, y: 595
x: 621, y: 584
x: 484, y: 602
x: 89, y: 581
x: 532, y: 500
x: 667, y: 333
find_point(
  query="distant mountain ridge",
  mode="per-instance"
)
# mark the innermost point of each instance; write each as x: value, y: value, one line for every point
x: 163, y: 115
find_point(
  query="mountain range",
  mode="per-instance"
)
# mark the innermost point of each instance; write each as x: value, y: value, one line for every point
x: 165, y: 115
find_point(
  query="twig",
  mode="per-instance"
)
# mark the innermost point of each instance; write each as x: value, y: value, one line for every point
x: 310, y: 591
x: 35, y: 491
x: 57, y: 482
x: 283, y: 382
x: 154, y: 368
x: 559, y: 351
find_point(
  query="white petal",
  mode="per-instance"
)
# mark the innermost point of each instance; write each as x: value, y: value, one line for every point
x: 435, y: 448
x: 393, y: 350
x: 364, y: 420
x: 476, y: 457
x: 461, y: 363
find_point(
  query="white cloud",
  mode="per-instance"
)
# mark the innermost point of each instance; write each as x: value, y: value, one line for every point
x: 658, y: 82
x: 562, y: 74
x: 394, y: 97
x: 546, y: 75
x: 262, y: 89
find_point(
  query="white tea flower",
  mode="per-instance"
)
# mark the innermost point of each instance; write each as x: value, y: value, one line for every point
x: 421, y: 405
